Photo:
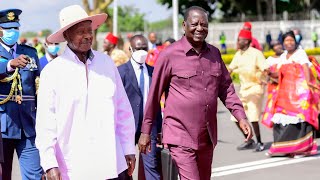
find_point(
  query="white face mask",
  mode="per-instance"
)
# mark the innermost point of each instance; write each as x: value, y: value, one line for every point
x: 139, y: 56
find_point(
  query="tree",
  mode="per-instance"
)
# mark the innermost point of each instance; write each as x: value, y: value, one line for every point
x: 232, y: 8
x: 208, y: 5
x: 235, y: 8
x: 99, y: 6
x: 29, y: 34
x: 314, y: 4
x: 129, y: 19
x: 46, y: 32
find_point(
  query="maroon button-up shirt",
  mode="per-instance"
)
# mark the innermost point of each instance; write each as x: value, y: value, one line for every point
x: 192, y: 83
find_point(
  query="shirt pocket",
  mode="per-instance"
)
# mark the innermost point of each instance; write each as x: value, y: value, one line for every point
x: 185, y: 79
x: 215, y: 73
x: 214, y: 79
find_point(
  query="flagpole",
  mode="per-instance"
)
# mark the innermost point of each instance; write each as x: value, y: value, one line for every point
x: 115, y: 17
x: 274, y: 10
x: 175, y: 18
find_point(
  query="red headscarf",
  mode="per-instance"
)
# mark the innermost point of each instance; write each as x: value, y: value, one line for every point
x: 247, y: 25
x: 112, y: 38
x: 245, y: 34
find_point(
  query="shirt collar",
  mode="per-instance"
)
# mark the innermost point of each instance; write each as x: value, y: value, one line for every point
x: 245, y: 51
x: 136, y: 66
x: 49, y: 58
x: 188, y: 47
x: 70, y: 53
x: 8, y: 48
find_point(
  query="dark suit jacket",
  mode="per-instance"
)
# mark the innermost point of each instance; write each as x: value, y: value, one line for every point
x: 131, y: 86
x: 16, y: 120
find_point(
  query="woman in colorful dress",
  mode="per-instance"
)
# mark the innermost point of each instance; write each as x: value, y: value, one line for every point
x: 272, y: 83
x: 292, y: 111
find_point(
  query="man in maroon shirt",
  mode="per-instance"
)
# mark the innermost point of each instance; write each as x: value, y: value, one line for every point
x: 193, y: 76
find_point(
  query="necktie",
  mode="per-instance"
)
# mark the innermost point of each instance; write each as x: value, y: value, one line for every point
x: 141, y: 81
x: 12, y: 52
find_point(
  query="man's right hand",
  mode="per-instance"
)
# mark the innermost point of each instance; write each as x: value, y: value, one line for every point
x: 54, y: 174
x: 144, y: 143
x: 246, y: 128
x: 19, y: 62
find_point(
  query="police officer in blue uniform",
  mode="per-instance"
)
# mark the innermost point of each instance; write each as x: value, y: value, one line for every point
x: 18, y: 75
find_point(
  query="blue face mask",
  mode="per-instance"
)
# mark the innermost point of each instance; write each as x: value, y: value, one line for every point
x: 10, y: 36
x: 297, y: 37
x: 53, y: 49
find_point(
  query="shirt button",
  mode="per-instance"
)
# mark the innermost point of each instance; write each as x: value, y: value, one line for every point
x: 207, y: 105
x: 205, y: 89
x: 137, y: 104
x: 202, y: 72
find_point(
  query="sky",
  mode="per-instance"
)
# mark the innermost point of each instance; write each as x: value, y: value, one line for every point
x: 44, y: 14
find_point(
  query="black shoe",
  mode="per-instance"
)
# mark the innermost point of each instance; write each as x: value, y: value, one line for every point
x: 259, y: 147
x: 246, y: 145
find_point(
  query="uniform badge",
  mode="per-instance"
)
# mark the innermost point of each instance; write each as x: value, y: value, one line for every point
x: 32, y: 65
x: 11, y: 16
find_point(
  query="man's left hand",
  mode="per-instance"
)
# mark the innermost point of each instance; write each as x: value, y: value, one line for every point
x: 246, y: 128
x: 131, y: 162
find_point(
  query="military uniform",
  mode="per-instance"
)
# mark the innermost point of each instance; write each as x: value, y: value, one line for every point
x: 18, y: 103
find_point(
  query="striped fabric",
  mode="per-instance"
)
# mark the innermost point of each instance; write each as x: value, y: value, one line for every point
x: 293, y: 139
x: 13, y: 98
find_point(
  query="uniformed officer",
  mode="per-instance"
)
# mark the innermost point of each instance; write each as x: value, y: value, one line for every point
x: 18, y: 74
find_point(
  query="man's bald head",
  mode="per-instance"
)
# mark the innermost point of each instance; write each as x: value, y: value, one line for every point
x: 152, y: 37
x: 139, y: 42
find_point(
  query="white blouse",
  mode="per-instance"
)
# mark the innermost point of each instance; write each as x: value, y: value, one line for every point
x: 301, y: 57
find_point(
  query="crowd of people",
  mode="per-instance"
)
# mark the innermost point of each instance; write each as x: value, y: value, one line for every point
x: 292, y: 80
x: 61, y: 112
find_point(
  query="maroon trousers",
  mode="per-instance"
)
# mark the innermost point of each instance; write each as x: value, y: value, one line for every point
x: 193, y: 164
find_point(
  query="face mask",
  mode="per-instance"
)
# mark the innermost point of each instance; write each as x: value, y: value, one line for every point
x: 53, y: 49
x: 139, y: 56
x: 297, y: 37
x: 10, y: 36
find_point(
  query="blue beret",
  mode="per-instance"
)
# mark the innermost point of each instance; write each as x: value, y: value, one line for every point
x: 9, y: 18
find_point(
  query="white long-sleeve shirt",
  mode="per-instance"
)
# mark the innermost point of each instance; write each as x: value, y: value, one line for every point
x: 85, y: 125
x: 137, y: 71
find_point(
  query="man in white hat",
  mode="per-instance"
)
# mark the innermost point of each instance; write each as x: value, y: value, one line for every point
x: 85, y: 125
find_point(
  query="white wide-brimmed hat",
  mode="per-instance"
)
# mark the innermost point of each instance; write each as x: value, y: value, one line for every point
x: 72, y: 15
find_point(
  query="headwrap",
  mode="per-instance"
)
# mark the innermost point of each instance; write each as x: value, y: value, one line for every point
x: 247, y: 25
x: 112, y: 38
x: 245, y: 34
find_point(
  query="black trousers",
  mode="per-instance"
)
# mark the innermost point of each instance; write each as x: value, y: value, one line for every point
x: 1, y: 150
